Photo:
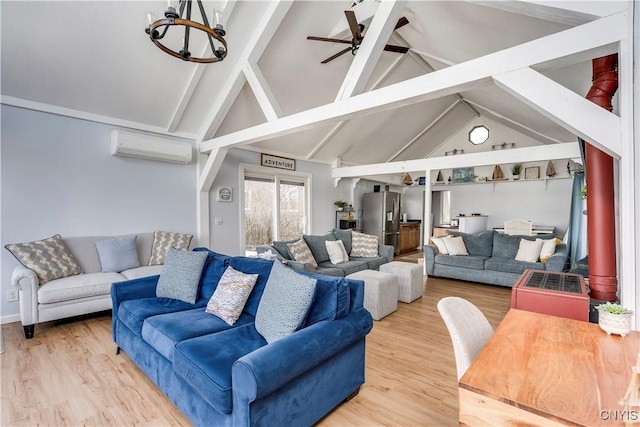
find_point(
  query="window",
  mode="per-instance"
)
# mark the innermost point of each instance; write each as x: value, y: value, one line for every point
x: 478, y: 135
x: 276, y: 207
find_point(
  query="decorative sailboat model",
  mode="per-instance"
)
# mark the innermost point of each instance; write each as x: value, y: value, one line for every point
x: 497, y: 174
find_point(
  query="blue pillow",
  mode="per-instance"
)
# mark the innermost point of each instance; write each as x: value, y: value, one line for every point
x: 118, y: 254
x: 284, y: 304
x: 181, y: 275
x: 214, y: 267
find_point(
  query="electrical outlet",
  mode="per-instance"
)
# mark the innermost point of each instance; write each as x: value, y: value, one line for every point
x: 218, y: 221
x: 12, y: 295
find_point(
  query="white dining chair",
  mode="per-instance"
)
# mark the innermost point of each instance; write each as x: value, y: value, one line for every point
x: 518, y: 227
x: 469, y: 329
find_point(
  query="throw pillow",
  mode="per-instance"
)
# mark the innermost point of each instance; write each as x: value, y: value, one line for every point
x: 529, y: 250
x: 548, y: 249
x: 49, y: 258
x: 364, y: 245
x: 181, y: 275
x: 455, y: 246
x: 231, y: 295
x: 284, y: 303
x: 118, y: 254
x: 337, y: 251
x: 439, y: 242
x: 301, y: 252
x: 163, y: 240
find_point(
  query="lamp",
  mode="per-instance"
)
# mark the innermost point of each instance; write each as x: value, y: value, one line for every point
x: 158, y: 28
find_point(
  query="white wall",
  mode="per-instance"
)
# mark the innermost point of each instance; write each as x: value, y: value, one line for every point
x: 226, y: 238
x: 58, y: 176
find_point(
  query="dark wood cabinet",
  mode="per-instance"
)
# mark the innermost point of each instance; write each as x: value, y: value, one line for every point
x: 409, y: 236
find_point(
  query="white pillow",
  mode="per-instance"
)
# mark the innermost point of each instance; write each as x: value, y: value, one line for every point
x: 548, y: 249
x: 337, y: 252
x: 439, y: 242
x: 529, y: 250
x: 455, y: 246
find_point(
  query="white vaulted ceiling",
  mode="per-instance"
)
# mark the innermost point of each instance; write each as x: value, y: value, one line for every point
x: 92, y: 59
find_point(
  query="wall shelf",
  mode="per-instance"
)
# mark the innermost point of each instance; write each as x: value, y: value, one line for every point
x: 502, y: 181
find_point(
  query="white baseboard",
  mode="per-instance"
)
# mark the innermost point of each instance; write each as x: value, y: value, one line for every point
x: 10, y: 319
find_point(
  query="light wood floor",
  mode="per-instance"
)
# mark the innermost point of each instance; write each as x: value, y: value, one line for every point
x: 68, y: 374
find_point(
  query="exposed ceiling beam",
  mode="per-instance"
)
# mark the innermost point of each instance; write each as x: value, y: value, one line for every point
x: 431, y: 56
x: 211, y: 169
x: 196, y: 75
x: 568, y: 150
x: 566, y: 12
x: 454, y: 79
x: 564, y: 107
x: 266, y: 28
x: 262, y: 92
x: 382, y: 25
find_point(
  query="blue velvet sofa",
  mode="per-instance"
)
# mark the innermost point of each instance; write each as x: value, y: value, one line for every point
x: 221, y: 375
x: 491, y: 259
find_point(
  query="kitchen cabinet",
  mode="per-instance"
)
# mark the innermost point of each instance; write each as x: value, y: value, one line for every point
x: 442, y: 231
x: 409, y: 236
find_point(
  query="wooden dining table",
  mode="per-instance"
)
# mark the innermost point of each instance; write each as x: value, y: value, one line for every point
x: 544, y: 370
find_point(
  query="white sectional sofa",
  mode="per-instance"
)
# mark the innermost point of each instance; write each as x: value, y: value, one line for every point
x: 78, y: 294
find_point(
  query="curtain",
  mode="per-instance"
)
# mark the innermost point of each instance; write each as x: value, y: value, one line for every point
x: 577, y: 233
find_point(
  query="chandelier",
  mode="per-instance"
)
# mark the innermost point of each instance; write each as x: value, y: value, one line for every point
x: 157, y: 29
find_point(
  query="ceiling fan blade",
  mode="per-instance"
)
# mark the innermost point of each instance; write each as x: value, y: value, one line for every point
x: 331, y: 58
x: 325, y: 39
x: 401, y: 23
x: 353, y: 24
x: 394, y: 48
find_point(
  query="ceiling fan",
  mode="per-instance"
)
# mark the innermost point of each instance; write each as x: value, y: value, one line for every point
x: 356, y: 32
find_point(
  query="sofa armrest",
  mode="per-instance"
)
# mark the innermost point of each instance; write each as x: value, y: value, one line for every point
x: 26, y: 282
x: 386, y: 251
x: 429, y: 252
x: 558, y: 261
x: 144, y: 287
x: 269, y: 368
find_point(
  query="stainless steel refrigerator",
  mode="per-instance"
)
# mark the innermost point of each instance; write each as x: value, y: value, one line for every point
x: 381, y: 217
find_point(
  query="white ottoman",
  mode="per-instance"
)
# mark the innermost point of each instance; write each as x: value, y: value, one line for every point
x: 410, y: 279
x: 380, y: 292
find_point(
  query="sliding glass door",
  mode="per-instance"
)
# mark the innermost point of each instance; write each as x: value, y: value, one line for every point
x: 275, y: 208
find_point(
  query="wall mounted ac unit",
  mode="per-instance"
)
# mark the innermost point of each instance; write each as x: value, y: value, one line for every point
x: 129, y: 144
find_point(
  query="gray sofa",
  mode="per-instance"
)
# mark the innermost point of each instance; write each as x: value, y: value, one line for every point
x: 318, y: 249
x: 491, y: 259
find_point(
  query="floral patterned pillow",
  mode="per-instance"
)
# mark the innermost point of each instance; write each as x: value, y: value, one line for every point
x: 231, y: 295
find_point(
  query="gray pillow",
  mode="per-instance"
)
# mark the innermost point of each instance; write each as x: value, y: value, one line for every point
x: 285, y: 302
x: 49, y: 258
x: 181, y: 275
x: 480, y: 244
x: 345, y: 236
x: 318, y: 247
x: 281, y: 246
x: 118, y: 254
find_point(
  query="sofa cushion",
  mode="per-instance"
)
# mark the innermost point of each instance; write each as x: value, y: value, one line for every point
x: 212, y: 271
x: 164, y: 331
x: 231, y: 294
x: 364, y: 245
x: 181, y: 275
x: 337, y: 252
x: 329, y: 271
x: 373, y: 263
x: 118, y: 254
x: 163, y: 240
x: 282, y: 247
x: 48, y: 258
x: 505, y: 246
x: 529, y: 250
x: 480, y: 244
x: 206, y: 362
x: 259, y: 266
x: 347, y: 267
x: 332, y: 298
x: 78, y: 286
x: 143, y: 271
x: 318, y: 247
x: 285, y: 302
x: 134, y: 312
x: 300, y: 252
x: 345, y: 236
x: 508, y: 265
x: 470, y: 261
x: 455, y: 246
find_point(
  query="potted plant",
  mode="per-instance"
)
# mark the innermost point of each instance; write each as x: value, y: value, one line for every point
x: 614, y: 319
x: 340, y: 204
x: 515, y: 170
